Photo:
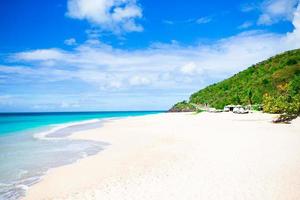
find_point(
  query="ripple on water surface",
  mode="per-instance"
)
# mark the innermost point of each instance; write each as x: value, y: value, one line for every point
x: 25, y: 157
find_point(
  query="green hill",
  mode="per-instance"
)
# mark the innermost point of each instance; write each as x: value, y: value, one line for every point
x: 275, y: 83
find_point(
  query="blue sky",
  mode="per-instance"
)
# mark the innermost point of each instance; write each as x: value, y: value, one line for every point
x: 65, y: 55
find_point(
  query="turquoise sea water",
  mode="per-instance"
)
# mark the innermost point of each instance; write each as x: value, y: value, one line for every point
x: 31, y: 143
x: 12, y: 122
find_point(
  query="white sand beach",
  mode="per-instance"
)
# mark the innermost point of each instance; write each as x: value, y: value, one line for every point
x: 209, y: 156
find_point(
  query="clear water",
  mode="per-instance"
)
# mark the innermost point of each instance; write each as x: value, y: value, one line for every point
x: 32, y: 143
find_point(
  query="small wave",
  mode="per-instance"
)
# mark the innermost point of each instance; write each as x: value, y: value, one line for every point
x: 83, y: 154
x: 21, y: 173
x: 16, y: 189
x: 23, y: 187
x: 4, y: 184
x: 43, y: 135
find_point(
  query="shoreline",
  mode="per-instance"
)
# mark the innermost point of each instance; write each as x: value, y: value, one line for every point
x: 147, y: 151
x: 47, y: 142
x: 56, y: 134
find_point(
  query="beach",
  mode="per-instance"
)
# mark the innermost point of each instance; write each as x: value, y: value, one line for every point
x: 208, y: 156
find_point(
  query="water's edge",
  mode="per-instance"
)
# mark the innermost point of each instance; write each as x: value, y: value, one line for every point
x: 57, y: 135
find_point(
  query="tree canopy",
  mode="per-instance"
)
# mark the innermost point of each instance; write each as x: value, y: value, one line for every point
x: 274, y: 82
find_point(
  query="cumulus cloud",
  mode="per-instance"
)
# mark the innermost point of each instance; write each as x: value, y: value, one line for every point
x: 139, y: 80
x: 293, y: 38
x: 41, y: 54
x: 158, y: 67
x: 160, y: 73
x: 70, y: 42
x: 190, y: 68
x: 274, y: 11
x: 112, y: 15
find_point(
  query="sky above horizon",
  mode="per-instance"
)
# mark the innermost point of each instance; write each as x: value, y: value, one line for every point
x: 88, y: 55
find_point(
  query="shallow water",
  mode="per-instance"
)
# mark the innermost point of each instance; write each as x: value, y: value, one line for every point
x: 27, y: 154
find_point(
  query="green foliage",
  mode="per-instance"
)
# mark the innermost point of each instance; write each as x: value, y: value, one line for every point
x: 282, y: 104
x: 257, y: 107
x: 274, y: 82
x: 273, y: 104
x: 182, y: 107
x: 291, y: 61
x: 294, y: 86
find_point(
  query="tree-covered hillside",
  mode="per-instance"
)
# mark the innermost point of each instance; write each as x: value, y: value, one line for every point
x: 183, y: 107
x: 273, y: 82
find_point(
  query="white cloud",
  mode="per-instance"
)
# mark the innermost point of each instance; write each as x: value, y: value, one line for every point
x: 139, y: 80
x: 203, y: 20
x: 190, y: 69
x: 168, y: 22
x: 160, y: 70
x: 293, y: 38
x: 246, y: 25
x: 274, y: 11
x: 70, y: 42
x: 41, y: 54
x: 111, y: 15
x: 160, y: 66
x: 6, y: 100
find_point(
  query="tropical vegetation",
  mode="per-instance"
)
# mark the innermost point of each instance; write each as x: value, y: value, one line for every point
x: 274, y: 83
x: 183, y: 106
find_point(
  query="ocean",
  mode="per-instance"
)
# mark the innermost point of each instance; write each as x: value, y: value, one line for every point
x: 32, y: 143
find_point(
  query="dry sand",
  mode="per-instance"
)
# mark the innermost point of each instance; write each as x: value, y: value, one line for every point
x: 209, y: 156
